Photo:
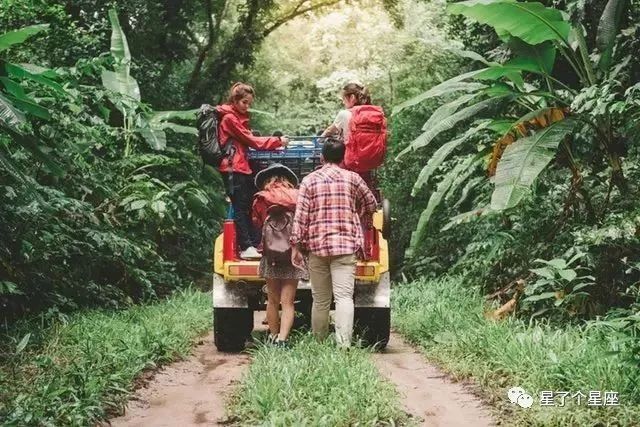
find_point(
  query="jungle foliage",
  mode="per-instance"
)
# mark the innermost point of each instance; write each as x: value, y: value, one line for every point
x: 530, y: 154
x: 514, y: 126
x: 99, y: 205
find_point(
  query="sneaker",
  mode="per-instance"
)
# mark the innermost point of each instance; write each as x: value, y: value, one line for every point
x: 250, y: 253
x: 271, y: 339
x: 282, y: 344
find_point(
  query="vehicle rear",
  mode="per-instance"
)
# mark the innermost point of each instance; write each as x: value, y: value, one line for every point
x: 239, y: 291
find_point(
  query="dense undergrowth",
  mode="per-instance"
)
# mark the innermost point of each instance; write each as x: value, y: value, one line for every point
x: 446, y: 317
x: 99, y: 206
x: 79, y: 371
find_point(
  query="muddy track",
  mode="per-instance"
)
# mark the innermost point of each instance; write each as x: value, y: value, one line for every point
x: 428, y: 395
x: 193, y: 392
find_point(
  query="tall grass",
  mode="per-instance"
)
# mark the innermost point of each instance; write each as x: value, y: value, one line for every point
x: 445, y: 317
x: 75, y: 373
x: 314, y: 384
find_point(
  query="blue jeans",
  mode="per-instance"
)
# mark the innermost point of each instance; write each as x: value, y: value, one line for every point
x: 241, y: 189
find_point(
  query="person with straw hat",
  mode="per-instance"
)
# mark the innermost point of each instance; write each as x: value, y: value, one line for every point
x: 273, y: 209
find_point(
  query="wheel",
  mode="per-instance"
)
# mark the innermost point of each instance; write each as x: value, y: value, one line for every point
x: 386, y: 219
x: 231, y: 327
x: 373, y: 326
x: 302, y: 321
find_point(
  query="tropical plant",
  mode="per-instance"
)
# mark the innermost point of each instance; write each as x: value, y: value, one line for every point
x: 16, y: 104
x: 125, y: 95
x: 538, y: 110
x: 558, y: 287
x: 82, y: 224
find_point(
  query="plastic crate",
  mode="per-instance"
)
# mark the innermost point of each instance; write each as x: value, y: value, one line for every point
x: 302, y: 156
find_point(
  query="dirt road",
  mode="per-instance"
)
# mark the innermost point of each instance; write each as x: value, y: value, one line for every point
x: 193, y: 392
x: 429, y: 396
x: 187, y: 393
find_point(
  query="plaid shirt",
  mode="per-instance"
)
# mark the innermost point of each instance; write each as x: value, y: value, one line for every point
x: 331, y: 201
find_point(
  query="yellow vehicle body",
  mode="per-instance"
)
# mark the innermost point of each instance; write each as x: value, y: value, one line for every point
x: 247, y: 271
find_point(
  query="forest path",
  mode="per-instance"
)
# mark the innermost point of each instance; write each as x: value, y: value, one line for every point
x: 191, y: 392
x: 428, y: 395
x: 194, y: 392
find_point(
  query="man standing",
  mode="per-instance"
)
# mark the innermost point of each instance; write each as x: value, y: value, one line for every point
x: 327, y: 224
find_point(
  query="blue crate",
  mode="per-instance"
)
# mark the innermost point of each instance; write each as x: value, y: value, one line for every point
x: 302, y: 156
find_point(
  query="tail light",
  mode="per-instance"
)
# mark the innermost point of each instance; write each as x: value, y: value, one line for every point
x: 365, y: 270
x: 244, y: 270
x: 229, y: 240
x: 371, y: 245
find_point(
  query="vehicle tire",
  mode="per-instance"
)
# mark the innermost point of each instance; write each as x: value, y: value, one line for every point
x: 373, y: 326
x: 302, y: 320
x: 386, y: 219
x: 231, y: 328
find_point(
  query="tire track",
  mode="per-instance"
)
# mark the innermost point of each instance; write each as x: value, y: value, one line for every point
x: 429, y: 396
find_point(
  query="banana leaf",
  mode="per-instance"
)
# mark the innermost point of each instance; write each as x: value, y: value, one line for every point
x: 531, y: 22
x: 20, y: 72
x: 10, y: 116
x: 434, y: 200
x: 448, y: 123
x: 455, y: 84
x: 446, y: 110
x: 120, y: 81
x: 440, y: 156
x: 522, y: 162
x: 156, y: 138
x: 608, y: 30
x: 18, y: 36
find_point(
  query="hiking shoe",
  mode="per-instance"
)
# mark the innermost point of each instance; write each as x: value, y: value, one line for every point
x: 250, y: 253
x: 271, y: 339
x: 282, y: 344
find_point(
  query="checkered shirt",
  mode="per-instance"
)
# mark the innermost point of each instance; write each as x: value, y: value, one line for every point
x: 331, y: 203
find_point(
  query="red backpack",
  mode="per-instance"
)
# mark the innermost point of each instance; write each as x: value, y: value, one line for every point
x: 367, y: 143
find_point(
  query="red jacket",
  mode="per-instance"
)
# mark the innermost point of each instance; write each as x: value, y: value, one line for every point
x: 235, y: 126
x: 276, y: 195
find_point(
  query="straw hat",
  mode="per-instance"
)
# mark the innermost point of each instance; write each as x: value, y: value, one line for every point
x: 275, y: 169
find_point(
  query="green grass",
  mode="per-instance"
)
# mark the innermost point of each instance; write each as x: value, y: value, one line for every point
x: 75, y: 373
x: 445, y: 317
x: 314, y: 384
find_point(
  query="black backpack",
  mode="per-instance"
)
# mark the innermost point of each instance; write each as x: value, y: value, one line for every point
x: 211, y: 149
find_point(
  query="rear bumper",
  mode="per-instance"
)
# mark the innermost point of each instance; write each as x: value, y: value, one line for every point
x: 237, y: 294
x: 234, y: 271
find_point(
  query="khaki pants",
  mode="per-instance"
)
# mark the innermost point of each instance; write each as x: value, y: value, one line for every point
x: 332, y: 275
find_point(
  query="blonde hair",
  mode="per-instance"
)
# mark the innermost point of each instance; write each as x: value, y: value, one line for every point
x: 238, y: 91
x: 359, y: 90
x: 277, y: 180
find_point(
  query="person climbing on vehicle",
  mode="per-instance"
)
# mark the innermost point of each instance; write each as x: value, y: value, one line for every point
x: 327, y: 224
x: 235, y: 169
x: 273, y: 209
x: 363, y: 128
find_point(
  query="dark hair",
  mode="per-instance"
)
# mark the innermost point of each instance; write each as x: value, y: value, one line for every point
x: 333, y: 150
x: 239, y: 91
x: 360, y: 91
x: 278, y: 133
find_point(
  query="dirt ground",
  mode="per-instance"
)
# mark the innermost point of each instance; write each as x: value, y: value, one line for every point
x: 428, y: 394
x: 193, y: 392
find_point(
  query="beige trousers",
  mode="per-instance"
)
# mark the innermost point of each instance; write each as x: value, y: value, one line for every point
x: 332, y: 275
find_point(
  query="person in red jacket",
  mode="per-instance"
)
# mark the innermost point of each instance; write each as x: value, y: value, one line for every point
x: 236, y: 171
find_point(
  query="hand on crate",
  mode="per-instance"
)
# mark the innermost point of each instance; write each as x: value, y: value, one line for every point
x: 284, y: 140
